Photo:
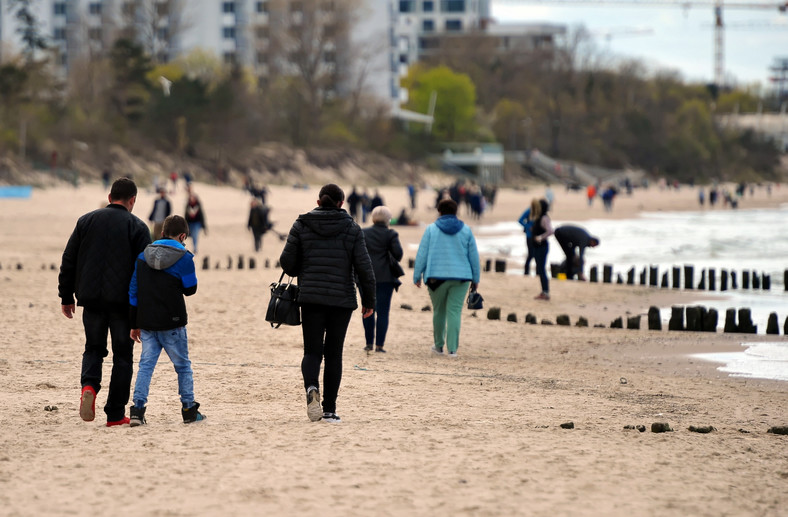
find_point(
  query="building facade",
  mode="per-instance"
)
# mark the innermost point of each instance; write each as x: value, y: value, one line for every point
x: 341, y: 43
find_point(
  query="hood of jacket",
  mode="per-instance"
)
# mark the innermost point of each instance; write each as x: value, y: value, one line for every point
x: 449, y: 224
x: 164, y: 253
x: 326, y: 222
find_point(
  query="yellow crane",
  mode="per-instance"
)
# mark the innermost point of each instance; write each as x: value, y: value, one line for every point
x: 716, y: 5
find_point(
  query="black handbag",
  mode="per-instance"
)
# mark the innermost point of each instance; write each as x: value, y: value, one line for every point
x: 475, y: 300
x: 283, y: 308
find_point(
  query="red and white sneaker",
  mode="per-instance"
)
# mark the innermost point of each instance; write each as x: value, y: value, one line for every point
x: 87, y: 404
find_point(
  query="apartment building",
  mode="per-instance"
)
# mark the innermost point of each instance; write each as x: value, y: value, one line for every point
x: 344, y: 42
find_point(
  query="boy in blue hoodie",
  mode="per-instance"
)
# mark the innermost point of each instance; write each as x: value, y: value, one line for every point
x: 163, y: 274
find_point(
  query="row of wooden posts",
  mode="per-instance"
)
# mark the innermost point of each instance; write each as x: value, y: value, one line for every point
x: 650, y: 276
x: 698, y: 319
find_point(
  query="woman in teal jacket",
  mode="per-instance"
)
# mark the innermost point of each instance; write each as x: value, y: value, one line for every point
x: 448, y: 262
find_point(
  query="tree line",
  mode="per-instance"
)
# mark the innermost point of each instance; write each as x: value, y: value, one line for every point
x: 563, y: 100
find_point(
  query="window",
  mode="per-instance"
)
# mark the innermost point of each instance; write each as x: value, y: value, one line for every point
x: 262, y: 58
x: 229, y: 58
x: 228, y: 33
x: 162, y: 9
x: 406, y: 6
x: 94, y: 8
x: 163, y: 33
x: 59, y: 34
x: 428, y: 6
x: 261, y: 7
x: 261, y: 32
x: 453, y: 6
x: 60, y: 8
x: 95, y: 34
x: 428, y: 43
x: 329, y: 56
x: 297, y: 7
x: 162, y: 57
x: 428, y: 25
x: 453, y: 25
x: 228, y: 7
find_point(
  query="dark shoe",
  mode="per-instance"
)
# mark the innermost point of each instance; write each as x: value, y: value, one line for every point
x: 380, y: 349
x: 87, y: 404
x: 331, y: 418
x: 542, y: 296
x: 191, y: 414
x: 368, y: 348
x: 137, y: 416
x: 436, y: 350
x: 122, y: 421
x: 313, y: 408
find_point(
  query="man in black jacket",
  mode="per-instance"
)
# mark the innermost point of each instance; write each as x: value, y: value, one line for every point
x: 325, y: 250
x: 97, y: 266
x: 570, y: 238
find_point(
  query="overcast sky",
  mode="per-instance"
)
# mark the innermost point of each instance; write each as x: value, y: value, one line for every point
x: 671, y: 36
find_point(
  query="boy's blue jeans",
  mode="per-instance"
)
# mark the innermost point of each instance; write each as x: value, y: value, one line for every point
x: 175, y: 343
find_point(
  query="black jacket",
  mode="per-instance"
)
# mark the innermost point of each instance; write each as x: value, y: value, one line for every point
x: 323, y: 249
x: 163, y: 275
x: 98, y: 261
x: 382, y: 241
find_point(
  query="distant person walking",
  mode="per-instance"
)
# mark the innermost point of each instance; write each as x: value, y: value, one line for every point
x: 384, y: 250
x: 161, y: 210
x: 97, y: 266
x: 542, y: 229
x: 324, y: 249
x: 163, y: 274
x: 258, y: 222
x: 528, y: 227
x: 574, y: 240
x: 195, y: 218
x: 448, y: 263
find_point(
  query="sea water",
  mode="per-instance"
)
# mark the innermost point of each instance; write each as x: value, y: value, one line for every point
x: 735, y: 240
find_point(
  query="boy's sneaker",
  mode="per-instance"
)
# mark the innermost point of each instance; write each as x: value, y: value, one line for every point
x: 191, y: 414
x: 137, y: 416
x: 436, y: 350
x: 123, y: 421
x: 453, y: 355
x: 313, y: 408
x: 368, y: 348
x: 87, y: 404
x: 332, y: 418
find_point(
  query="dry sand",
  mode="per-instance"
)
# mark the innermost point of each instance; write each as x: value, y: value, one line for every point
x: 421, y: 434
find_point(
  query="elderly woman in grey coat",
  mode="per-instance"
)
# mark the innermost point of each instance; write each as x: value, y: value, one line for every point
x: 385, y: 250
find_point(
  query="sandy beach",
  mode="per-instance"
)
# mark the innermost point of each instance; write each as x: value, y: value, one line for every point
x: 420, y: 434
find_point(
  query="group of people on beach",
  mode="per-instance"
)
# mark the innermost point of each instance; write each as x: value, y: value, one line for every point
x: 573, y: 240
x: 132, y: 288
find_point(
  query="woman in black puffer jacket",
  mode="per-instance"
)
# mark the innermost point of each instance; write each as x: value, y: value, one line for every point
x: 326, y: 250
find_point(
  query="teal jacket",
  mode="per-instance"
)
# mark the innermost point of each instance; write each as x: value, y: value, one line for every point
x: 447, y: 251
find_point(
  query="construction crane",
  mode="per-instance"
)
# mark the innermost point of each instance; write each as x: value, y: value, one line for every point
x: 717, y: 5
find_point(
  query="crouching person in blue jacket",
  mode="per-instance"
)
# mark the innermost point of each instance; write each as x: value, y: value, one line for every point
x: 163, y: 274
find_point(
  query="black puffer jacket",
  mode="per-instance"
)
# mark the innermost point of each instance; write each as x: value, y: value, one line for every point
x: 382, y: 241
x: 99, y: 258
x: 323, y: 249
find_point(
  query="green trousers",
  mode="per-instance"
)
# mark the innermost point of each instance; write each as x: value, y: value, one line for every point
x: 447, y: 303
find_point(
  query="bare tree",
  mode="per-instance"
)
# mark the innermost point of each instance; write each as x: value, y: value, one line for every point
x: 155, y: 24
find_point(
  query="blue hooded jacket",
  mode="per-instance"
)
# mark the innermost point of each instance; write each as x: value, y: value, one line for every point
x: 447, y: 251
